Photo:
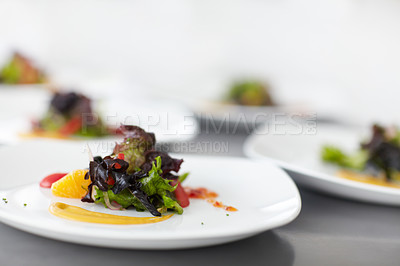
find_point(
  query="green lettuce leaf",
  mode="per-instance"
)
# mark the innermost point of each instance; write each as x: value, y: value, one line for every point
x: 133, y: 152
x: 125, y: 198
x: 135, y: 144
x: 154, y: 184
x: 336, y: 156
x: 182, y: 177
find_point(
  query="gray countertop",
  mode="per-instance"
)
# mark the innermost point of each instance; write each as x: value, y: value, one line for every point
x: 328, y: 231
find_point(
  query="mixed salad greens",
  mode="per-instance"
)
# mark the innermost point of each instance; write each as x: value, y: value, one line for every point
x: 252, y: 93
x: 71, y: 114
x: 137, y: 175
x: 380, y: 156
x: 19, y: 70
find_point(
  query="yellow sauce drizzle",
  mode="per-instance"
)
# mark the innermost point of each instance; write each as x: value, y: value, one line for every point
x: 43, y: 134
x: 78, y: 214
x: 380, y: 181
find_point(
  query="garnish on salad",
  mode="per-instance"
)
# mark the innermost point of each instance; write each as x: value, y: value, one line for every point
x: 251, y: 93
x: 20, y: 70
x: 376, y: 162
x: 70, y: 114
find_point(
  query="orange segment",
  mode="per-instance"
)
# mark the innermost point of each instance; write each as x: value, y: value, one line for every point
x: 73, y: 185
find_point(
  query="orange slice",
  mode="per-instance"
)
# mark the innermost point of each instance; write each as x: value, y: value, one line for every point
x: 73, y: 185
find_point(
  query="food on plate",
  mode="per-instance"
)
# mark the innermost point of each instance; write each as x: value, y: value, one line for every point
x: 70, y: 114
x: 251, y: 93
x: 20, y: 70
x: 377, y: 161
x: 136, y: 175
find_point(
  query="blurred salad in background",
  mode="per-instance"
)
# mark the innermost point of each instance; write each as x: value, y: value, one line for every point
x: 71, y: 114
x: 20, y: 70
x: 377, y: 159
x: 250, y: 93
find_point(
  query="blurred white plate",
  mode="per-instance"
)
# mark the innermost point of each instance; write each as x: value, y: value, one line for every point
x: 300, y: 155
x: 168, y: 120
x: 233, y: 113
x: 263, y: 194
x: 17, y: 101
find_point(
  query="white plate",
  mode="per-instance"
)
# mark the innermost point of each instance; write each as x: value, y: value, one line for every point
x: 264, y: 195
x: 20, y: 101
x: 300, y: 155
x: 239, y: 114
x: 170, y: 121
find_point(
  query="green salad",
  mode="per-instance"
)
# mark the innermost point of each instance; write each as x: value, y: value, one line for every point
x: 379, y: 156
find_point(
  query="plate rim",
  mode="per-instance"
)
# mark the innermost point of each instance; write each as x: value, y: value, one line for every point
x: 249, y: 151
x: 289, y: 215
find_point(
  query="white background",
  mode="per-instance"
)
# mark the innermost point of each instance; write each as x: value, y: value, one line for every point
x: 339, y: 54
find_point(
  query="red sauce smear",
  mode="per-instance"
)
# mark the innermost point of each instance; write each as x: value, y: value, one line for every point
x: 50, y: 179
x: 203, y: 193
